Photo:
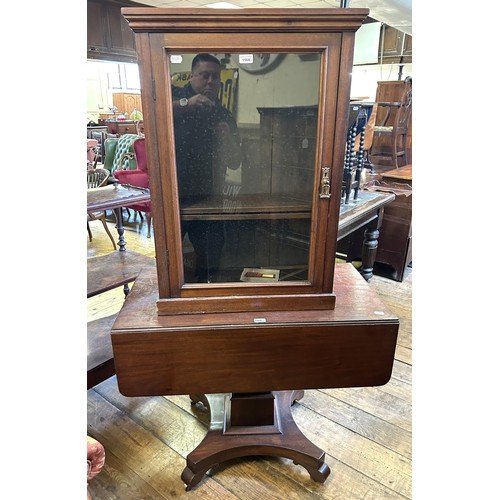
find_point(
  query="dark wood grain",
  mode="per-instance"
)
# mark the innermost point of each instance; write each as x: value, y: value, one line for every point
x: 359, y: 213
x: 328, y: 33
x: 249, y: 338
x: 279, y: 437
x: 100, y: 365
x: 115, y: 269
x: 401, y: 174
x: 365, y: 432
x: 115, y: 196
x: 250, y: 206
x: 351, y: 345
x: 230, y: 21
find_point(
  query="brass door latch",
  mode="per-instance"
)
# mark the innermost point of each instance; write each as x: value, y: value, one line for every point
x: 325, y: 183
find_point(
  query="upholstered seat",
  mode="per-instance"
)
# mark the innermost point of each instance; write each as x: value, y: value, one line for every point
x: 96, y: 457
x: 138, y: 177
x: 120, y: 153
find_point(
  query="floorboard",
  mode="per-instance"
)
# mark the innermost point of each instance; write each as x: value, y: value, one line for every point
x: 366, y: 432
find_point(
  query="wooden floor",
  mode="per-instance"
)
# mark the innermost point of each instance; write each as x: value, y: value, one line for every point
x: 365, y: 432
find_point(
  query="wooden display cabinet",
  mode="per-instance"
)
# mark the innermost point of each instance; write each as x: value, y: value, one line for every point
x: 326, y: 37
x: 265, y: 322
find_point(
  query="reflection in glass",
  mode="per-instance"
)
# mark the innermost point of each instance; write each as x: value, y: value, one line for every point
x: 245, y: 153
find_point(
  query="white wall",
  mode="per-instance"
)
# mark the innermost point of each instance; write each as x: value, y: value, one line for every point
x: 289, y: 83
x: 103, y: 78
x: 365, y: 78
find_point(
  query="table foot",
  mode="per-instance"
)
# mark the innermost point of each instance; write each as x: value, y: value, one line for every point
x: 282, y: 439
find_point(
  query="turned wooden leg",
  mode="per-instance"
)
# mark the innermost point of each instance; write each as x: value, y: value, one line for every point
x: 89, y: 231
x: 148, y: 220
x: 119, y: 228
x: 369, y: 251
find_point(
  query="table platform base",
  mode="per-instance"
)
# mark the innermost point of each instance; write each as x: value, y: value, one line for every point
x: 258, y: 424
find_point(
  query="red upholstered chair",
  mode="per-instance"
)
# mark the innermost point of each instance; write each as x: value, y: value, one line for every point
x: 138, y: 177
x: 92, y: 152
x: 96, y: 457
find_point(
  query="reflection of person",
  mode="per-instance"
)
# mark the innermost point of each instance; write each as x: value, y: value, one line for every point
x: 206, y: 144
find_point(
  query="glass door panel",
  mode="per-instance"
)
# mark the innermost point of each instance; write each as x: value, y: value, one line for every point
x: 245, y: 129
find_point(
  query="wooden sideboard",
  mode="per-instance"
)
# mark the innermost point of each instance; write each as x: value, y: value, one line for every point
x: 121, y: 127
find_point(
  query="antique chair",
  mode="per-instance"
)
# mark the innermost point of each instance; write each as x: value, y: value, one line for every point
x: 100, y: 136
x: 119, y: 154
x: 96, y: 456
x: 391, y: 128
x: 365, y: 141
x: 138, y: 177
x: 98, y: 177
x: 92, y: 152
x: 359, y: 142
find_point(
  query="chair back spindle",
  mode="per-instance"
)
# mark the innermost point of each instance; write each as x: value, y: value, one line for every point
x: 97, y: 177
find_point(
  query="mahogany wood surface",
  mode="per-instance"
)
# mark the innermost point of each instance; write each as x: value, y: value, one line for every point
x: 360, y: 212
x: 112, y: 270
x: 250, y: 206
x: 349, y: 346
x: 399, y: 174
x: 115, y: 196
x: 390, y: 95
x: 100, y: 365
x: 327, y: 32
x: 229, y: 21
x: 365, y: 432
x: 284, y: 439
x: 237, y: 298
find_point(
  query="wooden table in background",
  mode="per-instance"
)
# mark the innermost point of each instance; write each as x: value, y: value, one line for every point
x: 367, y: 211
x: 110, y: 271
x: 115, y: 197
x: 402, y: 174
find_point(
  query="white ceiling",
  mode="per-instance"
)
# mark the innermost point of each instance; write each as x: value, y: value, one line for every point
x: 396, y: 13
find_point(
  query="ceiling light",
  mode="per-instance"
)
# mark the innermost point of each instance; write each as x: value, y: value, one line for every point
x: 222, y: 5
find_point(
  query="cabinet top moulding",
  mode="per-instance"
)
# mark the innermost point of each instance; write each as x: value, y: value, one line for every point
x: 245, y: 20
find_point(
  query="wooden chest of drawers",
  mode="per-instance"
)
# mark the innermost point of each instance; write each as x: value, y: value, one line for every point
x: 121, y: 127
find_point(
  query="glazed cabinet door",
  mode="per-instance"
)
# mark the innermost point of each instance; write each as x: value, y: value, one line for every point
x: 252, y: 227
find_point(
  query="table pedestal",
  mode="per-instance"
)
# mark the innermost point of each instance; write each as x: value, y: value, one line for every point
x: 252, y: 424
